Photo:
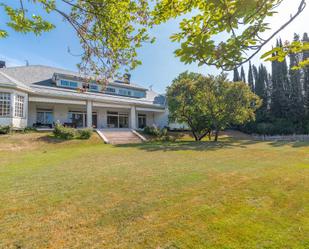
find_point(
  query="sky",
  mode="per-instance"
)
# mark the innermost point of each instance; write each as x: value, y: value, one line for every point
x: 159, y: 64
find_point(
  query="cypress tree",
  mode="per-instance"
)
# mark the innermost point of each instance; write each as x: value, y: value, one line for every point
x: 296, y: 107
x: 306, y: 76
x: 236, y: 75
x: 242, y: 74
x: 250, y: 77
x: 280, y: 94
x: 255, y: 74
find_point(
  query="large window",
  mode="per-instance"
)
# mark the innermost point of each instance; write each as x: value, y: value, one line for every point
x: 5, y: 104
x: 19, y: 106
x: 69, y: 84
x: 44, y: 117
x: 117, y: 120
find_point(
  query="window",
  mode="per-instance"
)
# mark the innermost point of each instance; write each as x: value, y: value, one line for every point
x: 124, y: 92
x: 110, y: 90
x: 19, y: 106
x: 69, y: 84
x: 5, y: 104
x: 44, y: 117
x: 139, y: 94
x: 142, y: 121
x: 93, y: 88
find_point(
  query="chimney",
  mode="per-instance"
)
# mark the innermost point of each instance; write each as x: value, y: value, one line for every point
x: 2, y: 64
x: 127, y: 78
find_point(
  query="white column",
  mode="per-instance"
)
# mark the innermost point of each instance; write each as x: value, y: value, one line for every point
x: 89, y: 114
x: 133, y: 117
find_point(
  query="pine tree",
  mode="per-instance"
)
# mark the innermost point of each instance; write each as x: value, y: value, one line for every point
x: 296, y: 107
x: 250, y: 77
x: 236, y: 75
x: 242, y: 74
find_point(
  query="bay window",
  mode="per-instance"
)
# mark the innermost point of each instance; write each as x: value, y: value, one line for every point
x: 5, y: 104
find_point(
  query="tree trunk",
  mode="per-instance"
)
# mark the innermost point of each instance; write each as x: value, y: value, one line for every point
x: 216, y: 135
x: 195, y: 136
x: 209, y: 136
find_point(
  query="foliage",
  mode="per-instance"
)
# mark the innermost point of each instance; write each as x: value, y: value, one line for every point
x: 281, y: 52
x: 84, y: 133
x: 64, y: 132
x: 110, y: 32
x: 155, y: 131
x: 241, y: 22
x: 29, y: 129
x: 285, y: 95
x: 210, y: 103
x: 5, y: 129
x: 159, y: 134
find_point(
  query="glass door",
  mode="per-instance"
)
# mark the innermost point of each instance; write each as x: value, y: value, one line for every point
x: 141, y: 121
x: 123, y: 121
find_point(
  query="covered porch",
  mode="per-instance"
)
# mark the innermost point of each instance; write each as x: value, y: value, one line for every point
x: 45, y: 112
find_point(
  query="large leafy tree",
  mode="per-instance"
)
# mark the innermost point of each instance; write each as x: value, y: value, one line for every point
x: 209, y: 103
x: 110, y: 31
x: 241, y: 23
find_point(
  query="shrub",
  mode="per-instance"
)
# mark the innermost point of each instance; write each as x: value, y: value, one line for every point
x: 152, y: 130
x: 63, y: 132
x: 265, y: 128
x: 84, y: 133
x: 29, y: 129
x: 5, y: 129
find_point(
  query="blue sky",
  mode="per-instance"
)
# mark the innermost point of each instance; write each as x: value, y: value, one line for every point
x: 159, y: 67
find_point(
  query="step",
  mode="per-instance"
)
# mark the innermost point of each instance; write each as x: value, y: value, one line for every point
x: 120, y: 136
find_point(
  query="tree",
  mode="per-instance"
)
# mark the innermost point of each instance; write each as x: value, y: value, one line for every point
x: 241, y: 21
x: 280, y: 84
x: 208, y: 103
x: 250, y: 77
x: 110, y: 32
x: 242, y: 74
x: 236, y: 76
x: 306, y: 75
x: 296, y: 108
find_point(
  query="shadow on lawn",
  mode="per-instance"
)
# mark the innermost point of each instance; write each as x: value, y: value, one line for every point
x: 207, y: 145
x: 51, y: 139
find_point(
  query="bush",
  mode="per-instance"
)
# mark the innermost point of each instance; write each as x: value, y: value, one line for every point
x: 265, y: 128
x: 84, y: 133
x: 5, y: 129
x: 29, y: 130
x: 152, y: 130
x: 63, y: 132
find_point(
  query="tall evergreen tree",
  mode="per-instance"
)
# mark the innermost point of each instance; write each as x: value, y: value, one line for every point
x: 250, y: 77
x: 280, y: 94
x: 255, y: 74
x: 242, y: 74
x: 236, y: 76
x: 296, y: 107
x: 306, y: 75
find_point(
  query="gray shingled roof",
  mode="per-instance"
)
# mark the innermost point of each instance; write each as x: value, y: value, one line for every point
x: 42, y: 76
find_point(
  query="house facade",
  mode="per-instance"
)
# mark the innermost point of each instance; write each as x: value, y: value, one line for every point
x: 40, y: 96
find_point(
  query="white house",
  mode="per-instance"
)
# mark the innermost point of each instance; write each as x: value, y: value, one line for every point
x: 39, y: 96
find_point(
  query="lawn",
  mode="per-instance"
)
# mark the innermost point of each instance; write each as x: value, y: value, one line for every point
x: 84, y: 194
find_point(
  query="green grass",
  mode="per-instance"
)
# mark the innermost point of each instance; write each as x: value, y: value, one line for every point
x: 84, y: 194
